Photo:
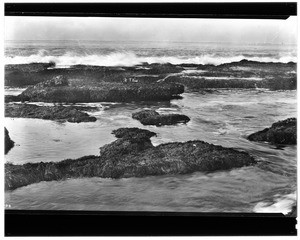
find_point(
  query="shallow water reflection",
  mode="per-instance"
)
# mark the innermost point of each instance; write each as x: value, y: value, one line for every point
x: 223, y: 118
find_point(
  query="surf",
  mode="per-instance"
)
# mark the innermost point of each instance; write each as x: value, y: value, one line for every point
x: 130, y: 59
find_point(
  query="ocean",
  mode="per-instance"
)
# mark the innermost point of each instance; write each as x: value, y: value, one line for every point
x: 115, y: 53
x: 224, y: 117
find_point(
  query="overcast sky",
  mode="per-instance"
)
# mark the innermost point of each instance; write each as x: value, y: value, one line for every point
x: 147, y: 29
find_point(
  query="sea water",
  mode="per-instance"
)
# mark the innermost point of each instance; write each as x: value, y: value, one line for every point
x: 223, y: 118
x: 116, y: 53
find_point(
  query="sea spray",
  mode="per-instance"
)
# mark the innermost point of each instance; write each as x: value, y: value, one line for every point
x: 127, y: 59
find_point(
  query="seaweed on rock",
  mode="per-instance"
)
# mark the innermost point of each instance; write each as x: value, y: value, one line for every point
x: 102, y: 92
x: 61, y: 113
x: 132, y: 155
x: 281, y: 132
x: 8, y: 143
x: 151, y: 117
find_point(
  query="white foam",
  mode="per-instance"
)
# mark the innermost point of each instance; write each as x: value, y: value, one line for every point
x: 283, y: 204
x: 13, y: 91
x: 128, y: 59
x: 228, y: 78
x: 42, y: 104
x: 191, y: 71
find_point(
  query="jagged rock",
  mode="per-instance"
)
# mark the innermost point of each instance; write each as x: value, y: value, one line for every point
x: 282, y: 132
x: 132, y: 155
x: 151, y: 117
x: 7, y: 141
x: 70, y: 114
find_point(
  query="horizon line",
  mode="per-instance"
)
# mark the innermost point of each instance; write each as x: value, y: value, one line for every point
x: 168, y: 41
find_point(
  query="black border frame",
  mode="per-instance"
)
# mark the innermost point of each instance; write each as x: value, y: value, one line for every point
x: 259, y: 10
x: 101, y: 223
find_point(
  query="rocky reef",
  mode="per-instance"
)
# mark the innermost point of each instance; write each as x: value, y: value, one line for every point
x: 8, y: 143
x: 195, y: 77
x: 132, y: 155
x: 281, y: 132
x: 14, y: 98
x: 243, y: 74
x: 151, y: 117
x: 60, y: 113
x: 20, y: 75
x: 73, y: 91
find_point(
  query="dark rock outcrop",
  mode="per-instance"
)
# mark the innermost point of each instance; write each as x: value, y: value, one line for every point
x: 273, y: 76
x: 57, y: 81
x: 130, y: 140
x: 8, y: 143
x: 102, y: 92
x: 21, y: 175
x: 20, y: 75
x: 132, y: 155
x: 242, y: 74
x: 282, y: 132
x: 196, y: 84
x: 151, y: 117
x: 13, y: 98
x: 61, y: 113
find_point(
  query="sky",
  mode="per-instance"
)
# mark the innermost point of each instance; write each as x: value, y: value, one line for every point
x: 152, y: 29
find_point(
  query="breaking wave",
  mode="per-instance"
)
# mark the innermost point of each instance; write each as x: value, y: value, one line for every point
x: 128, y: 59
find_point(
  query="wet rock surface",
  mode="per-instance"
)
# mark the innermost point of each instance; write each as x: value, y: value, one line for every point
x: 101, y: 92
x: 281, y: 132
x: 20, y: 75
x: 60, y: 113
x: 8, y: 143
x: 57, y: 81
x: 242, y: 74
x: 132, y: 155
x: 13, y: 98
x: 151, y: 117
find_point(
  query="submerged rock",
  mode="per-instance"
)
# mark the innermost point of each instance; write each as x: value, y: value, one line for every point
x: 151, y: 117
x: 70, y: 114
x: 7, y: 141
x: 132, y: 155
x: 282, y: 132
x: 101, y: 92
